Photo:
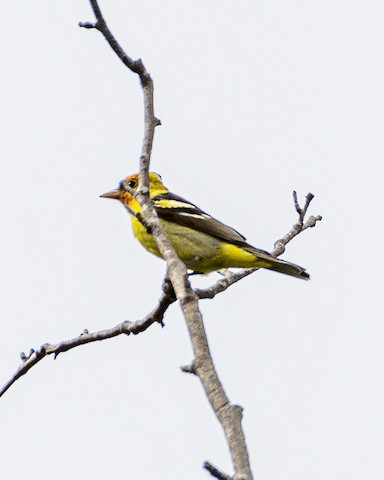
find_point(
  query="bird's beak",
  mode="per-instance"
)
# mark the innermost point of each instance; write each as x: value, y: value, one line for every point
x: 116, y: 194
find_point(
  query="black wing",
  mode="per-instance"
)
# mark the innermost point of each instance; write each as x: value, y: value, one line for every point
x: 176, y: 209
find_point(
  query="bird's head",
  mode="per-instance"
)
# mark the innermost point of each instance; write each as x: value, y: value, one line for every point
x: 132, y: 181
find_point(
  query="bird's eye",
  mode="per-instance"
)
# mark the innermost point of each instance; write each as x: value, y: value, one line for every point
x: 130, y: 184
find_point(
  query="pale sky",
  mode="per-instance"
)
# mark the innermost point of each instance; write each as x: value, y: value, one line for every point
x: 256, y: 99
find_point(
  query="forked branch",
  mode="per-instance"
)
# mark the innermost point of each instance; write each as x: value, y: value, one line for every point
x: 156, y: 315
x: 126, y: 328
x: 229, y: 415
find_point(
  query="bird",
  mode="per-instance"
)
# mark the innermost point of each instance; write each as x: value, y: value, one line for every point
x: 203, y: 243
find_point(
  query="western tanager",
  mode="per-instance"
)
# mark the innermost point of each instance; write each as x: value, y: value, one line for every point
x: 203, y: 243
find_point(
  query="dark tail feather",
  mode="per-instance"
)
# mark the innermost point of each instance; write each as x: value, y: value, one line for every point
x: 281, y: 265
x: 289, y: 269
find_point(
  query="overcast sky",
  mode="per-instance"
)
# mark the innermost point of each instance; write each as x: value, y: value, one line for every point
x: 256, y: 99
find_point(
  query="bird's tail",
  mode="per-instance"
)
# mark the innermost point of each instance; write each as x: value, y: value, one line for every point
x: 272, y: 263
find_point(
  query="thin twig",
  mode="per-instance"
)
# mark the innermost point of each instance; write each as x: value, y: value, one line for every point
x: 127, y: 327
x: 279, y: 248
x: 136, y: 66
x: 215, y: 472
x: 189, y: 368
x: 298, y: 227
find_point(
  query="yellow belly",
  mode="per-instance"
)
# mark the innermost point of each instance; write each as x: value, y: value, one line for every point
x: 200, y: 252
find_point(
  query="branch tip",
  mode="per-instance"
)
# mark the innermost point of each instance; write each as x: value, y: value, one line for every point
x: 87, y: 25
x: 296, y: 203
x: 239, y: 410
x: 302, y: 211
x: 215, y: 472
x: 311, y: 222
x: 189, y: 368
x: 310, y: 197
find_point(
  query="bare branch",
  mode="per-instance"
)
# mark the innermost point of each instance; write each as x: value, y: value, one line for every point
x: 299, y: 210
x: 279, y: 248
x: 191, y: 368
x: 311, y: 222
x: 226, y: 413
x: 165, y: 301
x: 127, y: 327
x: 215, y: 472
x: 222, y: 284
x: 135, y: 65
x: 157, y: 314
x: 298, y: 227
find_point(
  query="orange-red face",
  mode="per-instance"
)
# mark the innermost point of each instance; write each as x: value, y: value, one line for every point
x: 120, y: 193
x: 155, y: 184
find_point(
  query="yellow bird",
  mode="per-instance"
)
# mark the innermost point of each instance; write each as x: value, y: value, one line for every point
x: 203, y: 243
